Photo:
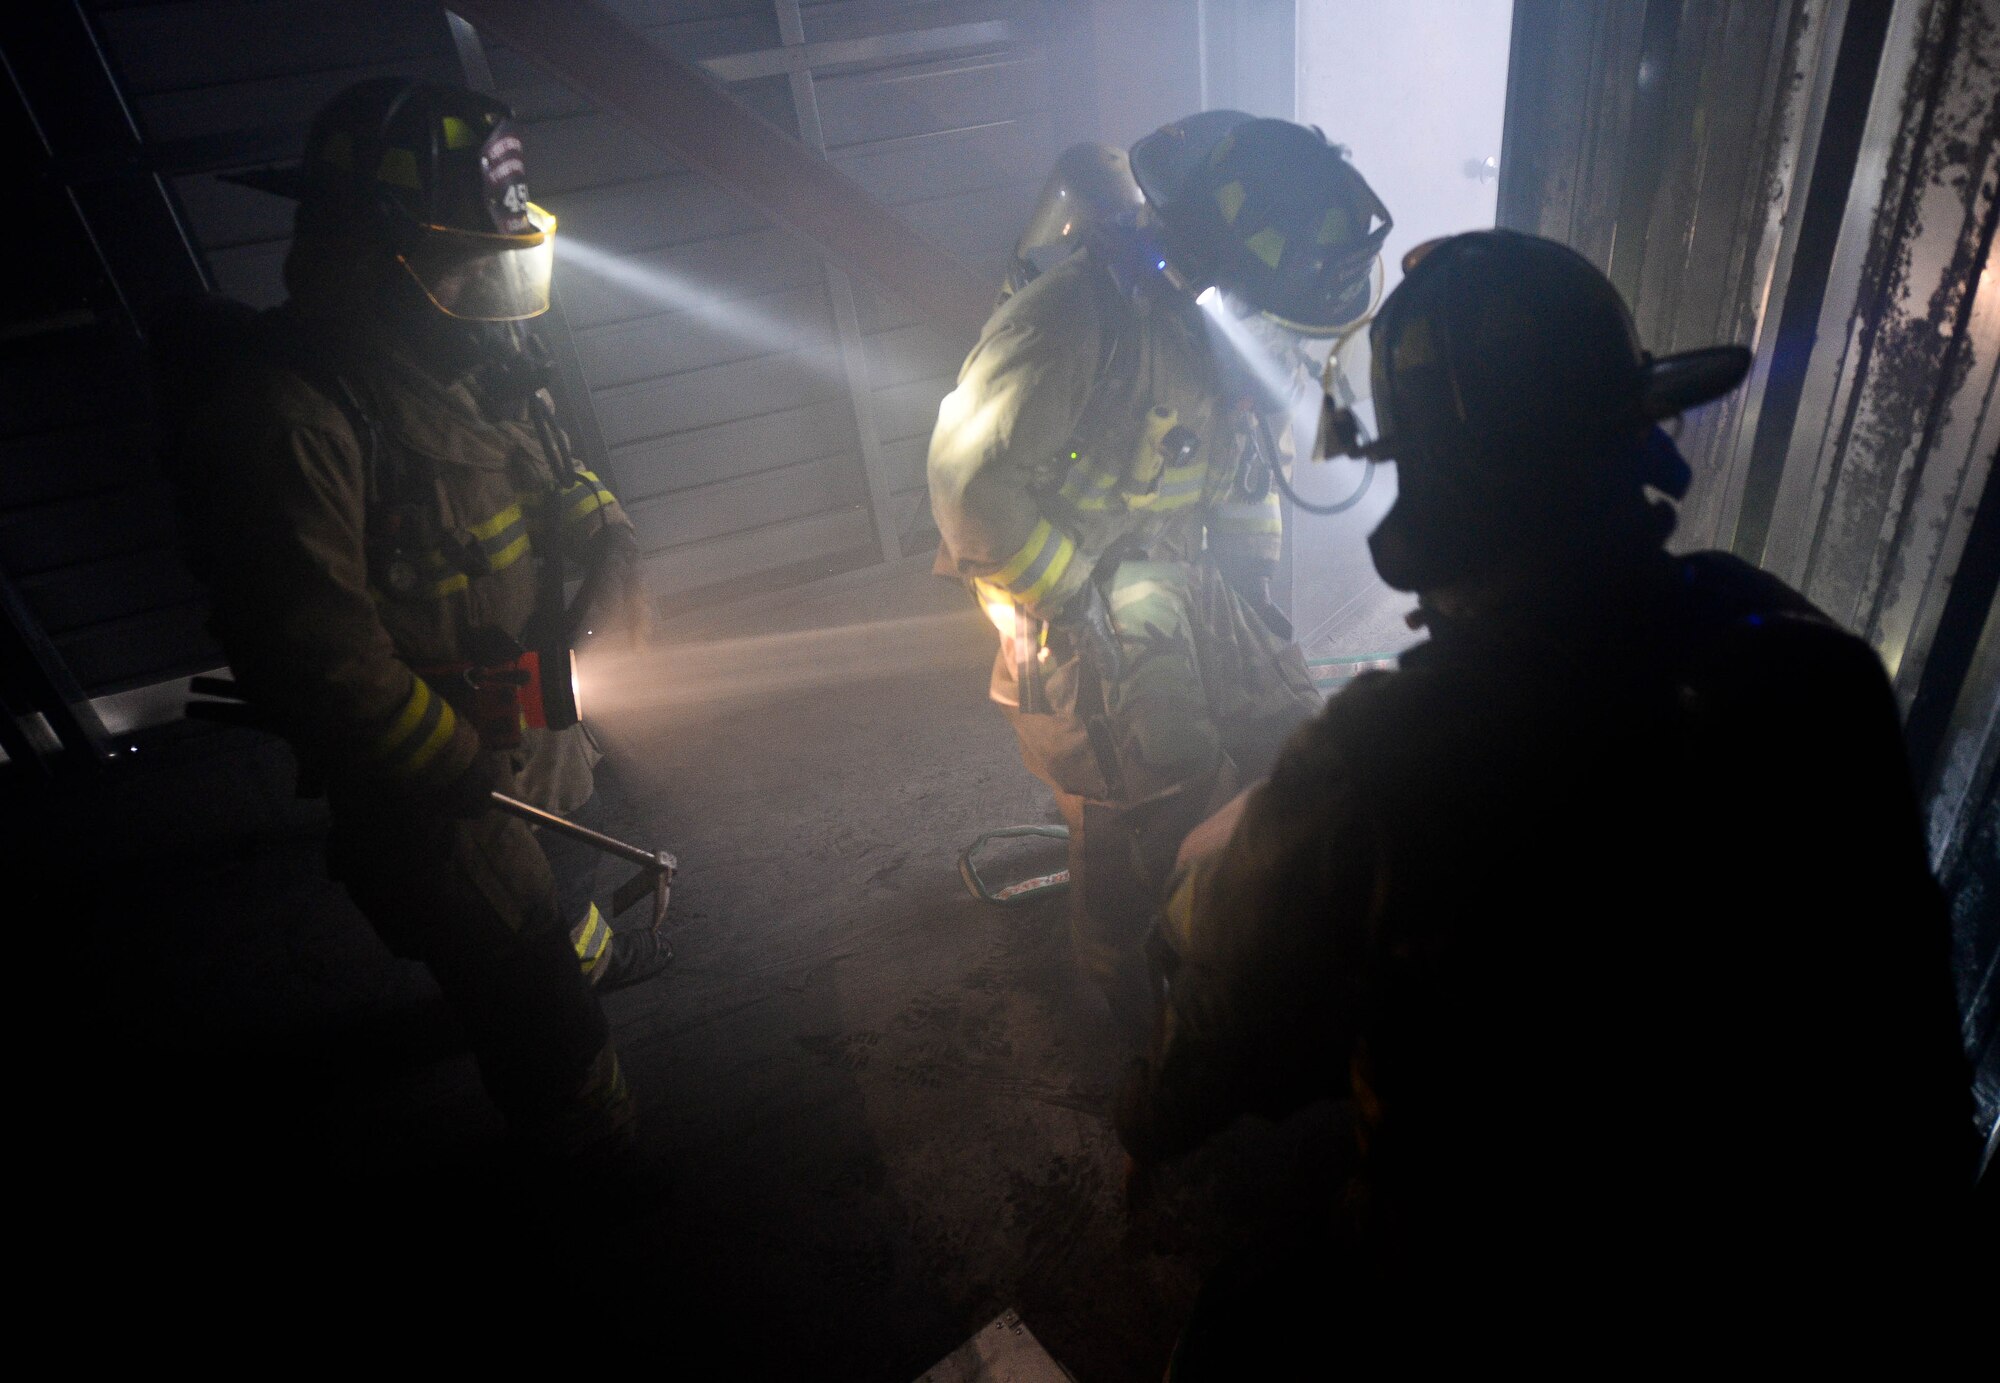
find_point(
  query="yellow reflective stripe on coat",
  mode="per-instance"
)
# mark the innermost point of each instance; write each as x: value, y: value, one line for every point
x: 1262, y: 518
x: 503, y: 538
x: 585, y: 497
x: 1033, y: 571
x: 1179, y: 487
x: 592, y: 939
x: 1085, y: 480
x: 425, y: 724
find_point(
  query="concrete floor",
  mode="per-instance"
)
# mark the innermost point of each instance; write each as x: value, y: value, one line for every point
x: 883, y: 1103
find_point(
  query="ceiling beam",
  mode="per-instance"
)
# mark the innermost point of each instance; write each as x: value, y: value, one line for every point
x: 690, y: 116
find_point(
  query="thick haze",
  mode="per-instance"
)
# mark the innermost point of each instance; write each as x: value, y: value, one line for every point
x: 1417, y: 91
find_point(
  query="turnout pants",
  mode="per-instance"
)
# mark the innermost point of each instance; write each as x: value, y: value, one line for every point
x: 1209, y: 693
x: 475, y: 901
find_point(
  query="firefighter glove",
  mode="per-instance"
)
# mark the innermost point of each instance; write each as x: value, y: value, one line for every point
x: 490, y: 771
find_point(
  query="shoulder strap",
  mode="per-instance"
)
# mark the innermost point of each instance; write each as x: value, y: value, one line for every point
x: 1117, y: 356
x: 316, y: 357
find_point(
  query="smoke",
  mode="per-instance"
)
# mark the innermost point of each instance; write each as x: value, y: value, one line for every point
x: 734, y: 320
x: 1289, y: 369
x: 1276, y: 370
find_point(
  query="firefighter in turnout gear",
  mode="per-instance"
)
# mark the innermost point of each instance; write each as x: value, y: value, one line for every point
x: 1609, y: 909
x: 384, y: 510
x: 1102, y: 480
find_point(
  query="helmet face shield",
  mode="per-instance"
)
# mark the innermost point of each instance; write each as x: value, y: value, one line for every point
x: 1090, y: 187
x: 486, y: 277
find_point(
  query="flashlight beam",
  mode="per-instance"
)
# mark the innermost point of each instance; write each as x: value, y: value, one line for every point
x: 694, y: 119
x: 736, y: 320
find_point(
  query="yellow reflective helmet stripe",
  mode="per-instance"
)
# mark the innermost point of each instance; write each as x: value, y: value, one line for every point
x: 1268, y: 245
x: 1230, y: 197
x: 458, y: 133
x: 1413, y: 345
x: 398, y: 167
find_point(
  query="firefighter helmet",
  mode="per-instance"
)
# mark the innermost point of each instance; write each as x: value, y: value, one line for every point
x: 1501, y: 350
x: 1510, y: 387
x: 433, y: 174
x: 1269, y: 212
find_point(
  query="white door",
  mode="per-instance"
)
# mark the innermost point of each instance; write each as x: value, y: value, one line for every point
x: 1417, y: 91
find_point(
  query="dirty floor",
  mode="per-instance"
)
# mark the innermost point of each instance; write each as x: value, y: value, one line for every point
x: 883, y: 1104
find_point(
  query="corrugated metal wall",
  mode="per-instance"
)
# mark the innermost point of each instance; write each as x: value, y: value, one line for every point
x: 721, y: 395
x: 1896, y: 426
x: 1819, y: 179
x: 1663, y: 141
x: 1884, y: 512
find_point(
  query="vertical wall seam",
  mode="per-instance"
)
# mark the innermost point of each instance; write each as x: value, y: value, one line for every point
x: 846, y: 314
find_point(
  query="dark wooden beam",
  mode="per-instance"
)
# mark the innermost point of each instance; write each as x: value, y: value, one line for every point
x: 695, y: 120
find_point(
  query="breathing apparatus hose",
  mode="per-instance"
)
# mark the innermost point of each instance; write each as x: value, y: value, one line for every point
x: 1327, y: 375
x: 1285, y: 486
